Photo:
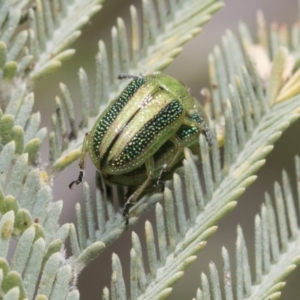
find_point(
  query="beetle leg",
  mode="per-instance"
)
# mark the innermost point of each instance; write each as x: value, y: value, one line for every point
x: 81, y: 162
x: 160, y: 182
x: 167, y: 166
x: 134, y: 197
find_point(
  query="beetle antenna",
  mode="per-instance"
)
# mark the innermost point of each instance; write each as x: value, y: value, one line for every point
x: 206, y: 130
x: 208, y: 136
x: 207, y: 133
x: 126, y: 76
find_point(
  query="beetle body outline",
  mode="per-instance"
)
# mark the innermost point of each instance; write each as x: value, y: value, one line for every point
x: 140, y: 136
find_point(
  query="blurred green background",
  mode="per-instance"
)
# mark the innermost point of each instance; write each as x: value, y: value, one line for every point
x: 191, y: 68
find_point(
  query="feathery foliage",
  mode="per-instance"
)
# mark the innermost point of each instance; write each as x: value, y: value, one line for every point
x: 249, y: 107
x: 276, y: 255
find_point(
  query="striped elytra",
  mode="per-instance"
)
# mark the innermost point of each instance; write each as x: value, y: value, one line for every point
x: 141, y: 134
x: 103, y: 123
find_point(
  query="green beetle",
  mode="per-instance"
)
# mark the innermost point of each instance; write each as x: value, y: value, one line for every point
x: 141, y: 134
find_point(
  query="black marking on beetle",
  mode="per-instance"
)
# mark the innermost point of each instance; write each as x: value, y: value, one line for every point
x: 167, y: 146
x: 186, y: 131
x: 146, y: 135
x: 105, y: 155
x: 114, y: 111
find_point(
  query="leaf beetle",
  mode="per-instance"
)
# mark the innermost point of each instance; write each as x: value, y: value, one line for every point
x: 141, y: 135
